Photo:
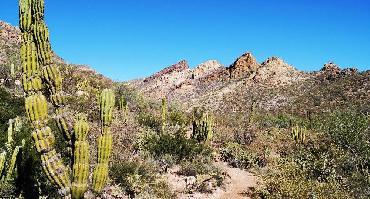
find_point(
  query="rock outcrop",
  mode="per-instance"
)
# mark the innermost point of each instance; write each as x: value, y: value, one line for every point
x: 206, y: 69
x: 244, y: 66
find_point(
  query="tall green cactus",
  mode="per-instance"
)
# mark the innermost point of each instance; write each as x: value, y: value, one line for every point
x: 202, y: 127
x: 107, y: 102
x: 8, y: 163
x: 39, y: 71
x: 298, y: 133
x: 81, y: 157
x: 164, y: 112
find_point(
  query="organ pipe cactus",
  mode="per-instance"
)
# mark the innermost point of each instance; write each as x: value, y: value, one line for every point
x: 9, y: 157
x: 298, y: 133
x: 107, y: 102
x: 38, y: 72
x: 202, y: 127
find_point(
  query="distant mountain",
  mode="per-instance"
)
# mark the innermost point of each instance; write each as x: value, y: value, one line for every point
x: 274, y: 84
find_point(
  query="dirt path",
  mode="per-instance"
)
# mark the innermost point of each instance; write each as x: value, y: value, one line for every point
x: 240, y: 182
x: 237, y: 185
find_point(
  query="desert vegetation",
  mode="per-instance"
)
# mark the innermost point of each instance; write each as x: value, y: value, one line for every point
x: 246, y: 131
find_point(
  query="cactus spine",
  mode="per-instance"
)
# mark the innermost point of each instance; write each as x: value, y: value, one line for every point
x: 107, y: 102
x: 298, y: 133
x: 164, y: 112
x: 7, y: 164
x: 202, y: 128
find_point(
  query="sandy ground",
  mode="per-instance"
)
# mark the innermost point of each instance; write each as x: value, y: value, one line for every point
x: 237, y: 185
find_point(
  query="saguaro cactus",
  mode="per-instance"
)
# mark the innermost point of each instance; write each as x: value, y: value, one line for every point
x: 107, y: 102
x: 39, y: 71
x: 202, y: 127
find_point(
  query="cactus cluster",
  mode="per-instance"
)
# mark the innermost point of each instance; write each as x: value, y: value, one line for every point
x: 39, y: 72
x: 9, y: 156
x: 298, y: 133
x: 202, y: 127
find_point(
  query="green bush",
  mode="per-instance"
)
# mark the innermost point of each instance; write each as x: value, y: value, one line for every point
x: 177, y: 117
x: 159, y: 145
x: 336, y: 164
x: 149, y: 120
x: 237, y: 156
x: 140, y: 179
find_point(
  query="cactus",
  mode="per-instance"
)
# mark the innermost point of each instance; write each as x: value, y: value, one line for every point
x: 81, y: 157
x: 164, y: 112
x: 7, y: 164
x: 202, y: 127
x: 40, y: 72
x: 107, y: 102
x: 298, y: 133
x: 123, y: 106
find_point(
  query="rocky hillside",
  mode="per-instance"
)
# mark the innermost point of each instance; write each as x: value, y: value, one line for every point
x: 274, y: 84
x: 208, y: 83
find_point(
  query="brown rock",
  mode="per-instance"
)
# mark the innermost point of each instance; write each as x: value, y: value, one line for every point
x: 244, y: 66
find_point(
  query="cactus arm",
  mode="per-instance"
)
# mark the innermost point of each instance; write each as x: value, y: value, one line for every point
x: 105, y: 140
x: 50, y: 73
x: 12, y: 162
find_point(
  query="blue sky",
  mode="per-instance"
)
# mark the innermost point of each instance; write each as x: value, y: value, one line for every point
x: 127, y: 39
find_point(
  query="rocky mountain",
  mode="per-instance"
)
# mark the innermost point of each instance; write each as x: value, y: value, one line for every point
x: 209, y: 82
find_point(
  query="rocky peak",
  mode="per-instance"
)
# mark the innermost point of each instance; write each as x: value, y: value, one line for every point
x: 244, y: 66
x: 274, y: 61
x: 330, y: 67
x: 178, y: 67
x: 206, y: 68
x: 330, y: 71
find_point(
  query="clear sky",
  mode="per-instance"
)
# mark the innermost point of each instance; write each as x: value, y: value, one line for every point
x: 127, y: 39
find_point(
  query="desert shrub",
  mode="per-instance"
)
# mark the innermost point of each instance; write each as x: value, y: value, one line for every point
x: 10, y: 107
x: 334, y: 165
x: 237, y: 156
x: 198, y: 166
x: 290, y: 181
x: 140, y: 179
x: 177, y: 117
x: 281, y: 121
x: 207, y: 175
x: 278, y: 121
x: 149, y: 120
x: 135, y: 100
x: 176, y: 145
